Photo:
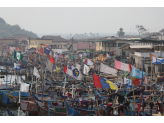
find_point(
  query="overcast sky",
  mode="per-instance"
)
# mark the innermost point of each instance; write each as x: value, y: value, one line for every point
x: 81, y: 20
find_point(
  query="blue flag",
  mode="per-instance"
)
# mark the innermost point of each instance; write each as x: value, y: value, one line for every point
x: 157, y: 60
x: 17, y: 67
x: 137, y: 73
x: 46, y: 51
x: 103, y: 82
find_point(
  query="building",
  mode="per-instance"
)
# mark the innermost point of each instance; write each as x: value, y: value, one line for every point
x: 55, y: 39
x: 35, y: 43
x: 82, y: 46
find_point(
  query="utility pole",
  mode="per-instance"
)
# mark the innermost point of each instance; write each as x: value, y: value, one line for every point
x: 72, y: 44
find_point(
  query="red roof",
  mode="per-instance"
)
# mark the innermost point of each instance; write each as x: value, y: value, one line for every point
x: 84, y: 45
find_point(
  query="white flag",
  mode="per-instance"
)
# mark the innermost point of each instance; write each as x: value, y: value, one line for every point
x: 126, y: 81
x: 86, y: 69
x: 76, y: 73
x: 24, y: 87
x: 59, y: 51
x: 69, y: 69
x: 36, y: 73
x: 124, y: 67
x: 89, y: 62
x: 107, y: 55
x: 109, y: 70
x: 77, y: 66
x: 80, y: 55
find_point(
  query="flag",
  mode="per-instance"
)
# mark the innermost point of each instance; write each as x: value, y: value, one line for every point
x: 46, y: 51
x: 102, y: 59
x: 18, y: 55
x: 80, y: 55
x: 44, y: 45
x: 8, y: 47
x: 135, y: 80
x: 127, y: 81
x: 103, y: 82
x: 24, y: 87
x: 57, y: 70
x: 157, y: 60
x: 60, y: 56
x: 125, y: 74
x: 86, y: 69
x: 36, y: 73
x: 117, y: 64
x: 59, y: 51
x: 89, y: 62
x: 100, y: 56
x: 107, y: 55
x: 85, y: 54
x: 112, y: 85
x: 97, y: 81
x: 55, y: 55
x: 105, y: 69
x: 146, y: 81
x: 77, y: 66
x: 20, y: 49
x: 65, y: 69
x: 16, y: 48
x: 130, y: 67
x: 76, y: 73
x: 51, y: 58
x: 87, y: 51
x: 41, y: 51
x: 151, y: 56
x: 34, y: 54
x: 124, y: 67
x: 50, y: 66
x: 69, y: 69
x: 137, y: 73
x: 71, y: 57
x: 84, y: 60
x: 17, y: 67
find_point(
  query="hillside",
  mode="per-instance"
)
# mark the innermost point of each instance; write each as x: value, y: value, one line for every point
x: 7, y: 30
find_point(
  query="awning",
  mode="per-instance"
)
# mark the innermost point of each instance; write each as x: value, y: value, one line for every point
x: 142, y: 46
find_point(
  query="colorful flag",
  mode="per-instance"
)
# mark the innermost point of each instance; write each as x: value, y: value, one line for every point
x: 135, y: 81
x: 69, y: 69
x: 102, y: 59
x: 137, y: 73
x: 157, y: 60
x: 18, y: 55
x: 76, y: 73
x: 44, y: 45
x: 17, y: 67
x: 20, y: 50
x: 151, y: 56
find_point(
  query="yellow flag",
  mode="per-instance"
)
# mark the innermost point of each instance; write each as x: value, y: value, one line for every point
x: 112, y: 85
x: 57, y: 70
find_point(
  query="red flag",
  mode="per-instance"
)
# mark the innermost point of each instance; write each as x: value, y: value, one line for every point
x: 8, y: 47
x: 85, y: 61
x: 136, y: 82
x: 96, y: 81
x: 41, y: 51
x: 65, y: 69
x: 130, y: 67
x: 16, y: 48
x: 52, y: 59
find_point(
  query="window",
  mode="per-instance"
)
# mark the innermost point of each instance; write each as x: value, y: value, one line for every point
x: 107, y: 44
x: 123, y: 44
x: 111, y: 45
x: 35, y: 43
x: 114, y: 44
x: 99, y: 43
x: 119, y: 44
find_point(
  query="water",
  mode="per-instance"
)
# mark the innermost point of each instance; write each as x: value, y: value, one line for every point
x: 3, y: 109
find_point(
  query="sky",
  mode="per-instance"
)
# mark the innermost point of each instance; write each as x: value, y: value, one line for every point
x: 50, y: 20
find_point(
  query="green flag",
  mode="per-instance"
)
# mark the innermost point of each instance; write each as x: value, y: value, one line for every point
x: 71, y: 57
x: 87, y: 51
x: 113, y: 57
x: 125, y: 74
x: 18, y: 55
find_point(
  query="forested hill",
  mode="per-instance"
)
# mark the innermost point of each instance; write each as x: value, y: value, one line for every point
x: 7, y: 30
